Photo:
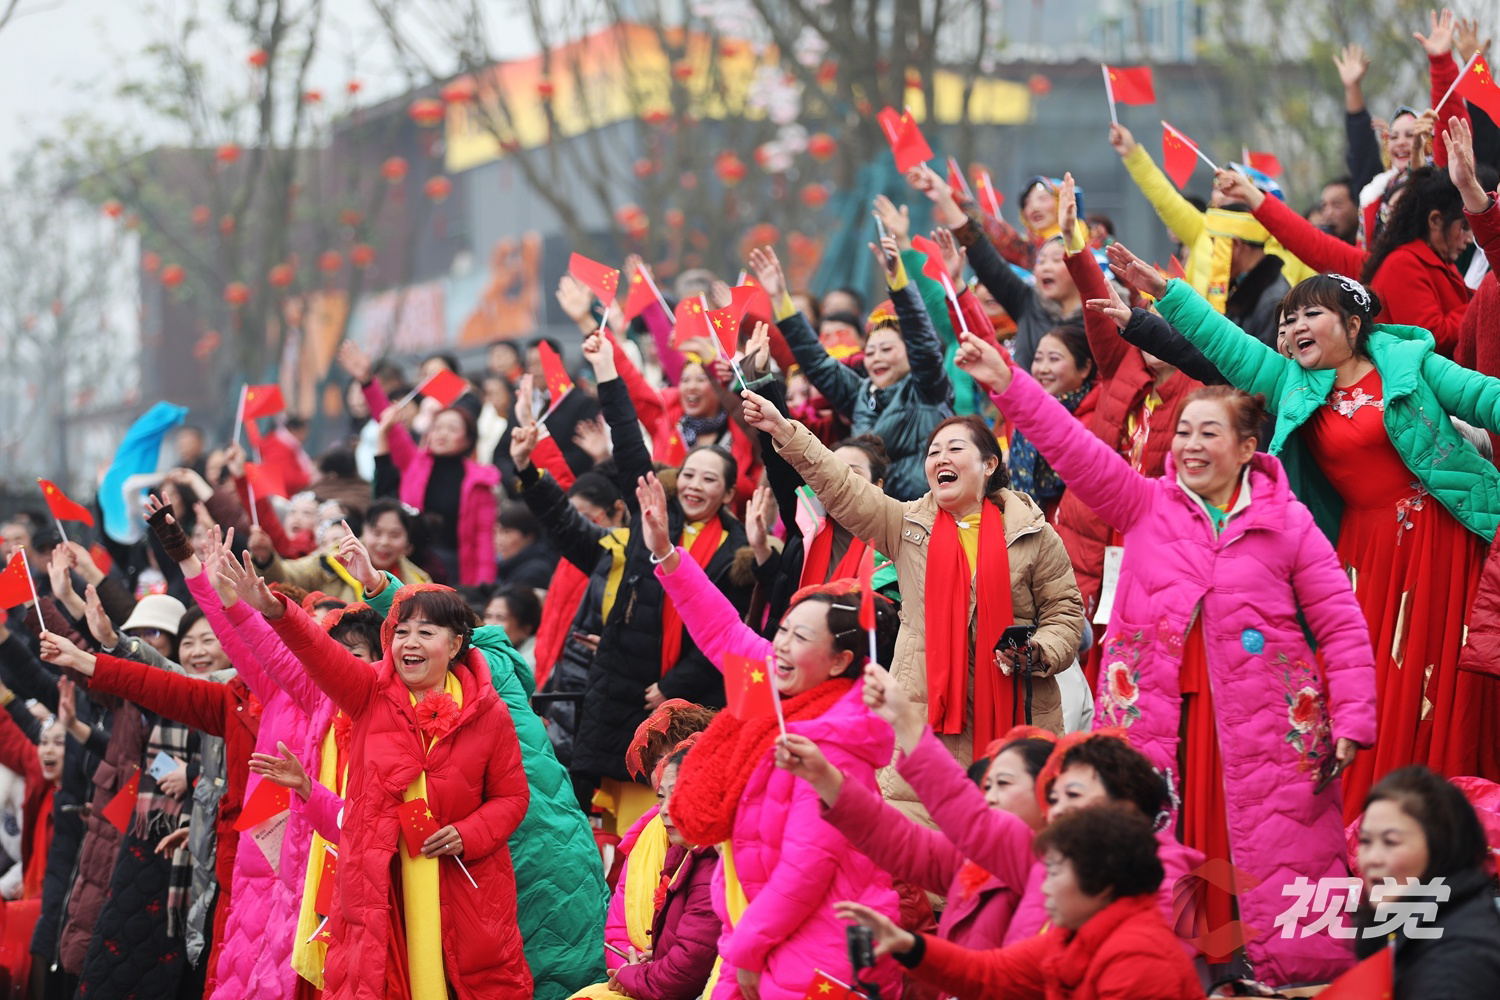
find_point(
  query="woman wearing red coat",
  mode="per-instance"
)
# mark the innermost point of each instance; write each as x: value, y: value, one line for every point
x: 1109, y: 939
x: 426, y: 725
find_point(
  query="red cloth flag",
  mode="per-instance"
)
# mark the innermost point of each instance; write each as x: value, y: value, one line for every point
x: 15, y: 583
x: 445, y: 387
x: 639, y: 298
x: 1268, y: 164
x: 328, y: 875
x: 867, y: 590
x: 1131, y: 85
x: 748, y: 688
x: 956, y: 180
x: 934, y: 267
x: 559, y: 383
x: 266, y: 801
x: 266, y: 480
x: 1477, y: 87
x: 989, y: 199
x: 890, y: 123
x: 725, y: 324
x: 1372, y: 979
x: 909, y: 147
x: 825, y: 987
x: 1175, y: 268
x: 263, y: 401
x: 1179, y: 154
x: 120, y: 808
x: 692, y: 323
x: 61, y: 507
x: 101, y: 558
x: 417, y: 824
x: 603, y: 280
x: 753, y: 302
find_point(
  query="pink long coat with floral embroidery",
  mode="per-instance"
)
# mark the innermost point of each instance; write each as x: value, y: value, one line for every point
x: 1279, y: 710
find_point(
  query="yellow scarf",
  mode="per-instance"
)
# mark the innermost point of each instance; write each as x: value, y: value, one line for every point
x: 308, y: 956
x: 641, y: 879
x: 419, y: 894
x: 735, y: 902
x: 1226, y: 227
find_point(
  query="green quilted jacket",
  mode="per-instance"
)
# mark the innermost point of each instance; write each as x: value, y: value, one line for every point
x: 561, y: 897
x: 1422, y: 390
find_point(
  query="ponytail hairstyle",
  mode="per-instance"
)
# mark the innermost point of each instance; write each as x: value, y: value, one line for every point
x: 843, y: 600
x: 1340, y: 294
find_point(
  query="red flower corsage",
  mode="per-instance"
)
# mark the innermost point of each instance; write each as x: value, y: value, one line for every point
x: 437, y: 714
x: 970, y: 878
x: 660, y: 898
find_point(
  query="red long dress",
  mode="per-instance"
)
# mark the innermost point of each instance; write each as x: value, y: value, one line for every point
x: 1415, y: 570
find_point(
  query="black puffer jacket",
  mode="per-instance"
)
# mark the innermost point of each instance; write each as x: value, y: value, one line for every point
x: 629, y: 657
x: 1464, y: 961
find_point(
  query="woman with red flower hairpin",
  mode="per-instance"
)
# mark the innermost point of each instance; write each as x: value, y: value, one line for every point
x: 1206, y: 664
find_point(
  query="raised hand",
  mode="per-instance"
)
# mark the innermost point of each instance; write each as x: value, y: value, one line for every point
x: 767, y: 270
x: 252, y: 589
x: 1237, y: 187
x: 801, y: 757
x: 576, y: 300
x: 59, y: 572
x: 284, y: 769
x: 260, y: 545
x: 945, y: 210
x: 896, y: 220
x: 760, y: 514
x: 523, y: 441
x: 83, y: 561
x: 102, y: 629
x: 1121, y: 140
x: 355, y: 361
x: 221, y: 550
x: 885, y: 696
x: 888, y: 256
x: 59, y: 650
x: 1439, y: 38
x: 234, y: 459
x: 1466, y: 38
x: 757, y: 350
x: 982, y: 362
x: 1114, y: 307
x: 1458, y: 138
x: 67, y: 702
x: 888, y: 937
x: 954, y: 256
x: 1352, y: 64
x: 524, y: 393
x: 760, y: 414
x: 356, y: 559
x: 1067, y: 213
x: 1134, y: 272
x: 598, y: 352
x: 653, y: 503
x: 593, y: 437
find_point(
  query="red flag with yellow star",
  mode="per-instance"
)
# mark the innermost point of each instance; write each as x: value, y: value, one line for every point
x: 61, y: 507
x: 825, y: 987
x: 1477, y: 87
x: 602, y: 280
x: 1179, y: 155
x: 748, y: 688
x: 639, y: 297
x: 15, y: 583
x: 1131, y: 85
x: 417, y: 824
x: 559, y: 384
x: 120, y: 808
x: 263, y: 401
x: 323, y: 902
x: 908, y: 145
x: 692, y: 322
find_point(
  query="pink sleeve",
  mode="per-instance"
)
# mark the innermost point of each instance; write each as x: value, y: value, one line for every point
x: 888, y: 837
x: 661, y: 324
x: 403, y: 448
x: 711, y: 620
x: 241, y: 656
x: 279, y: 663
x: 996, y: 841
x: 615, y: 932
x: 322, y: 811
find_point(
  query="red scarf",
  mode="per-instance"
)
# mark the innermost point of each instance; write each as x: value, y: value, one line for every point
x: 818, y: 554
x: 948, y: 655
x: 704, y: 547
x: 714, y: 773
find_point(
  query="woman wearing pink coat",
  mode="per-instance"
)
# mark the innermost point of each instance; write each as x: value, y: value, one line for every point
x: 782, y: 867
x: 1219, y: 560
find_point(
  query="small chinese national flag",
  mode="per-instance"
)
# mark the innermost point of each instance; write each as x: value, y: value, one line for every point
x: 1179, y: 154
x: 328, y: 879
x: 639, y: 298
x: 263, y: 401
x: 268, y: 800
x: 265, y: 480
x: 1132, y: 85
x: 956, y: 180
x: 1478, y: 88
x: 908, y: 145
x: 15, y: 583
x: 1372, y: 979
x: 748, y: 688
x: 692, y: 323
x: 989, y: 199
x: 445, y: 387
x: 867, y: 589
x: 417, y: 824
x: 559, y: 384
x: 933, y: 267
x: 61, y: 507
x: 1267, y: 163
x: 825, y: 987
x: 603, y: 280
x: 118, y: 812
x: 101, y: 557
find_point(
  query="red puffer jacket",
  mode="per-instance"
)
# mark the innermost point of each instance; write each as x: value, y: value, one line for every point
x: 1124, y: 950
x: 226, y: 710
x: 475, y: 781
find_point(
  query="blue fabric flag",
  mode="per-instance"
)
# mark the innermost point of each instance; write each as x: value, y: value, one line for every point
x: 139, y: 454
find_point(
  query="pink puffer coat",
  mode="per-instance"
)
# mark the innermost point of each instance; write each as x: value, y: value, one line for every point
x: 792, y: 865
x: 1280, y: 708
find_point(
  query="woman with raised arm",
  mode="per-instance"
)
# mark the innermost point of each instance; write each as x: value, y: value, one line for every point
x: 783, y: 867
x: 906, y: 393
x: 1419, y: 503
x: 1221, y: 566
x: 973, y: 558
x: 644, y: 654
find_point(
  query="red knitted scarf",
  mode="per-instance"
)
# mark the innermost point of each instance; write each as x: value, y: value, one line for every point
x: 714, y: 774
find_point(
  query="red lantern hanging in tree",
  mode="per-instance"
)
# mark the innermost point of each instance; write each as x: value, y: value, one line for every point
x: 282, y: 275
x: 426, y: 111
x: 821, y: 146
x: 330, y: 261
x: 236, y: 294
x: 730, y: 168
x: 361, y: 255
x: 172, y: 275
x: 150, y: 262
x: 814, y: 196
x: 258, y: 58
x: 227, y: 154
x: 1039, y: 85
x: 200, y: 215
x: 394, y: 170
x: 113, y: 208
x: 351, y: 217
x: 438, y: 188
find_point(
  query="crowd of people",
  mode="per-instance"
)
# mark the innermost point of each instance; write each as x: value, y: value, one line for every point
x: 1052, y: 627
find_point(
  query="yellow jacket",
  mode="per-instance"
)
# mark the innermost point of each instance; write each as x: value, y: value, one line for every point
x: 1190, y: 226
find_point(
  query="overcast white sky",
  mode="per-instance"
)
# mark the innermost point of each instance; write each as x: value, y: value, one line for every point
x: 62, y: 56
